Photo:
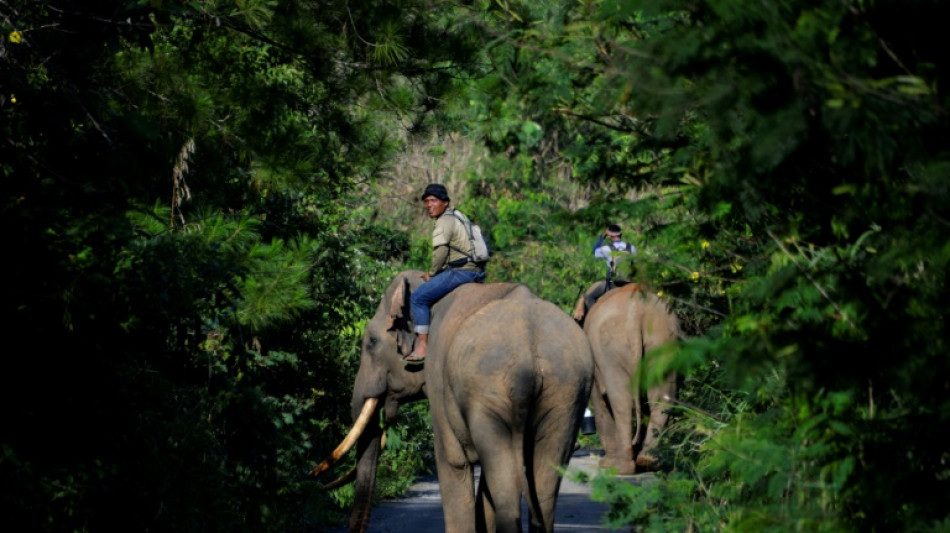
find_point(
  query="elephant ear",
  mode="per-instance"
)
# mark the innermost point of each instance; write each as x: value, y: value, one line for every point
x: 399, y: 322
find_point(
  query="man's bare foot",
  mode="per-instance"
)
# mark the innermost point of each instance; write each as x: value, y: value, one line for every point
x: 580, y: 309
x: 414, y: 359
x: 418, y: 356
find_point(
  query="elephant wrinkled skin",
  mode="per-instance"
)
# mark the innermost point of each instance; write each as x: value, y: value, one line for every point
x: 508, y: 376
x: 623, y: 326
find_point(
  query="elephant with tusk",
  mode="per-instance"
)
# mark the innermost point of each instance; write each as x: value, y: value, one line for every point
x: 508, y: 376
x: 623, y: 326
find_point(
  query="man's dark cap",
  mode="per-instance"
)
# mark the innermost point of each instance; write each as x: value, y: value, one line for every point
x: 437, y: 190
x: 613, y: 228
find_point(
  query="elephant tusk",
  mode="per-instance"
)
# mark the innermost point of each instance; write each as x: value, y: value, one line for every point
x: 345, y: 479
x: 348, y: 477
x: 369, y: 407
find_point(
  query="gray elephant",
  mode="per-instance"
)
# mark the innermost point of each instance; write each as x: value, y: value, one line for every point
x: 623, y: 326
x: 508, y: 377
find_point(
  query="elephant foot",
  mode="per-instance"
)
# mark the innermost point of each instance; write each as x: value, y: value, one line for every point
x: 623, y: 468
x: 647, y: 463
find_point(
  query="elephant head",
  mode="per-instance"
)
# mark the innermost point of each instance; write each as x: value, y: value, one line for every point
x: 382, y: 382
x: 507, y: 376
x: 623, y: 326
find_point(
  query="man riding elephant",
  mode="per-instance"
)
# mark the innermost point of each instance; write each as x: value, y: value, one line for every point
x: 615, y: 253
x: 451, y: 265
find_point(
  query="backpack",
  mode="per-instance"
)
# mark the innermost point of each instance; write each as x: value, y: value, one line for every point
x: 481, y: 253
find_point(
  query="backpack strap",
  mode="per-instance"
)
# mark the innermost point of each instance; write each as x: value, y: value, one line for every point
x: 468, y: 228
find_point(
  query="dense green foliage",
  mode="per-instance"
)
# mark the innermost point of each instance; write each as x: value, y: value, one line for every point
x: 203, y: 200
x: 190, y: 287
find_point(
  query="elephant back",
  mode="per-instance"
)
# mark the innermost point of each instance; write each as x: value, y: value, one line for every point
x: 524, y: 342
x: 629, y: 307
x: 627, y: 322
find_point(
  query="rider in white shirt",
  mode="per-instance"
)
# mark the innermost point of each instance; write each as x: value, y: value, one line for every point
x: 613, y: 253
x: 608, y: 251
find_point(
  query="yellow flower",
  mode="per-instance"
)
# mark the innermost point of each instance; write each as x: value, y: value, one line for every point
x: 659, y: 294
x: 705, y: 245
x: 15, y: 37
x: 12, y: 98
x: 694, y: 276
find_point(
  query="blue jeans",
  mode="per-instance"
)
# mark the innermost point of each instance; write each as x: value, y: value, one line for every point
x: 433, y: 290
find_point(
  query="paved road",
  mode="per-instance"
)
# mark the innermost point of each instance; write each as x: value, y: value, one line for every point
x: 420, y: 511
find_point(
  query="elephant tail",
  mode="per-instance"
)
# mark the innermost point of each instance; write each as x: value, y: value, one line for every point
x: 638, y: 412
x: 523, y: 437
x: 528, y: 491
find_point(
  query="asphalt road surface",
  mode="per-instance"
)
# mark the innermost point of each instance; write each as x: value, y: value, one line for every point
x: 420, y: 511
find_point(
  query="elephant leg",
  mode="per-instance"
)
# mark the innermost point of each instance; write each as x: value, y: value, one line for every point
x: 659, y: 404
x: 606, y: 427
x: 499, y: 489
x: 457, y: 488
x: 621, y: 403
x: 550, y: 451
x: 484, y: 508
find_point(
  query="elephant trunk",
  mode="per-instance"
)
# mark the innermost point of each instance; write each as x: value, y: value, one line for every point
x: 367, y: 451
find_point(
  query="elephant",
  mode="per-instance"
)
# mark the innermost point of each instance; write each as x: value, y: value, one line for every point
x: 622, y: 327
x: 507, y: 376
